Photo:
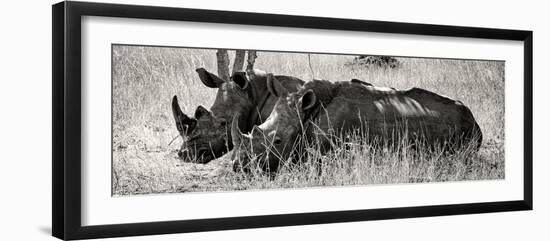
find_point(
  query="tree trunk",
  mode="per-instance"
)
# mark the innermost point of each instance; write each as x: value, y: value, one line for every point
x: 223, y: 64
x: 239, y: 61
x: 250, y: 63
x: 310, y: 67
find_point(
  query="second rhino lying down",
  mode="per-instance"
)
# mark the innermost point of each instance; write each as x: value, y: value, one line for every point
x: 321, y: 111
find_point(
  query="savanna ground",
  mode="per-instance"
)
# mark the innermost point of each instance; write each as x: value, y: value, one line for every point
x: 144, y: 79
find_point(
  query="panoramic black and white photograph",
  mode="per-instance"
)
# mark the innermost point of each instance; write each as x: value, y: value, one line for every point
x: 218, y: 120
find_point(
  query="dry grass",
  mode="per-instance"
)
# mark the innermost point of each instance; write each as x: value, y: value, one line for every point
x: 145, y: 79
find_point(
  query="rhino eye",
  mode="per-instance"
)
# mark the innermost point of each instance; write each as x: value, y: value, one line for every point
x: 223, y: 123
x: 277, y: 141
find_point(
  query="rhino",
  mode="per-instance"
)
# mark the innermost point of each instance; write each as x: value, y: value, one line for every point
x: 245, y: 96
x: 321, y: 111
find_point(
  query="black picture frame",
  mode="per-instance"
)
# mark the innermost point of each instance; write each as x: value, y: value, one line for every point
x: 66, y: 127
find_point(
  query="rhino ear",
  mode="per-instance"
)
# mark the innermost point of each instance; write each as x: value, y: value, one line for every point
x: 275, y: 87
x: 240, y: 79
x: 209, y: 79
x: 184, y: 124
x: 309, y: 99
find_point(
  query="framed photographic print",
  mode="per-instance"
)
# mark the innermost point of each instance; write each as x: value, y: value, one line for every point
x: 170, y: 120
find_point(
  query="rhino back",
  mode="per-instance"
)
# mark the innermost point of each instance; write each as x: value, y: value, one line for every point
x: 384, y: 112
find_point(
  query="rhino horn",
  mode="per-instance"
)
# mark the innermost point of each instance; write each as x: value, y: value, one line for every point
x: 256, y: 130
x: 257, y: 133
x: 236, y: 134
x: 201, y: 111
x: 184, y: 124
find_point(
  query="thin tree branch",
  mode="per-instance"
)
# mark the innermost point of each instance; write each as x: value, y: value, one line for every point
x: 310, y: 67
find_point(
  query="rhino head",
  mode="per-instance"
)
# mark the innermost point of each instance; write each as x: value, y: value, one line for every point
x: 207, y: 133
x: 278, y: 137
